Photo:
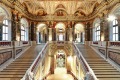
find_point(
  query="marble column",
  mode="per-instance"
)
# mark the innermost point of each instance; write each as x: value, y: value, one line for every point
x: 47, y: 28
x: 70, y: 34
x: 102, y: 34
x: 54, y: 34
x: 30, y: 31
x: 106, y: 29
x: 50, y: 34
x: 19, y: 28
x: 14, y: 25
x: 73, y: 31
x: 13, y: 30
x: 118, y: 25
x: 33, y: 31
x: 66, y: 34
x: 91, y: 33
x: 87, y: 32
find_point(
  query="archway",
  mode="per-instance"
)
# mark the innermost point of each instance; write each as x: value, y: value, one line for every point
x: 41, y: 33
x: 60, y: 62
x: 79, y: 33
x: 96, y: 30
x: 114, y: 21
x: 24, y: 29
x: 60, y: 31
x: 5, y: 24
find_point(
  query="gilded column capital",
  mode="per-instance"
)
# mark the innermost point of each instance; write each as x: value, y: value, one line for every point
x: 19, y: 15
x: 15, y: 12
x: 48, y: 23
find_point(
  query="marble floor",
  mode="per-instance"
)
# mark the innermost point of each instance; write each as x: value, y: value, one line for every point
x: 60, y: 74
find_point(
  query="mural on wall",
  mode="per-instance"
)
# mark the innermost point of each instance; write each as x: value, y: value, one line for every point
x: 79, y: 14
x: 60, y: 13
x: 41, y: 13
x: 60, y: 60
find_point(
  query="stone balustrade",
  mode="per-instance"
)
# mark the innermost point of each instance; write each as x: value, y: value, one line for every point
x: 115, y: 44
x: 5, y: 43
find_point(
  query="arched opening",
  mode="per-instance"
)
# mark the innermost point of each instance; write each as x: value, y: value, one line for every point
x: 60, y: 61
x: 96, y: 30
x: 114, y: 29
x: 41, y: 33
x: 5, y: 25
x: 79, y: 33
x: 24, y: 30
x: 60, y: 32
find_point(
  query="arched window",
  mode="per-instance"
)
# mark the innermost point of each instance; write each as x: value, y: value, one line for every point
x: 115, y: 30
x: 61, y: 37
x: 23, y: 33
x: 79, y: 33
x: 97, y: 33
x: 24, y: 30
x: 96, y: 30
x: 5, y: 30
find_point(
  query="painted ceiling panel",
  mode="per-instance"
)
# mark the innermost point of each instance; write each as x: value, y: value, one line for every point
x: 73, y: 7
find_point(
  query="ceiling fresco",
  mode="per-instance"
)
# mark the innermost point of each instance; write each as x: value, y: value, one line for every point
x: 60, y: 7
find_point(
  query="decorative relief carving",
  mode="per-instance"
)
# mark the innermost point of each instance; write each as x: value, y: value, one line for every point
x: 115, y: 56
x: 4, y: 56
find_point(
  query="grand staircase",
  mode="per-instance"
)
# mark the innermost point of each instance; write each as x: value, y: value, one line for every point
x: 102, y: 69
x: 16, y: 70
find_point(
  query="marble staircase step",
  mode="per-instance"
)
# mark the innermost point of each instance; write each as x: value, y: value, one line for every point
x: 16, y: 69
x: 13, y: 73
x: 13, y: 78
x: 13, y: 70
x: 109, y: 78
x: 99, y: 64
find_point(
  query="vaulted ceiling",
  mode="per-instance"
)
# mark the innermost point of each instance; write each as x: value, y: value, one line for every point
x: 60, y: 7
